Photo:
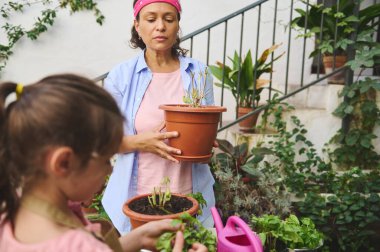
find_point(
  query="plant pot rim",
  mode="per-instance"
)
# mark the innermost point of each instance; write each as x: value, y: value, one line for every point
x: 307, y: 249
x: 341, y: 56
x: 188, y: 108
x: 142, y: 217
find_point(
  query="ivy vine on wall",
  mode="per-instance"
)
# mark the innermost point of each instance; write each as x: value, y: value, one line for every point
x: 49, y: 10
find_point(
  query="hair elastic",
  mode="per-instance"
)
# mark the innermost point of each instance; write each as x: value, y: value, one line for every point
x: 19, y: 89
x: 141, y: 3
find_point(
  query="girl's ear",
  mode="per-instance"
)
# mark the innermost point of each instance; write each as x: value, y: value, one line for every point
x: 61, y: 161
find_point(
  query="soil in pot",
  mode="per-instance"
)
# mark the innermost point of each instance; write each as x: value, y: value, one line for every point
x: 175, y: 205
x: 137, y: 219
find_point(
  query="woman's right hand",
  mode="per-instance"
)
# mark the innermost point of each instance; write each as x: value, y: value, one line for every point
x: 153, y: 142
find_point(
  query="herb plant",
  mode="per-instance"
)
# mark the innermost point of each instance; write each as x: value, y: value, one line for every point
x: 294, y: 233
x: 97, y: 205
x: 193, y: 231
x: 201, y: 201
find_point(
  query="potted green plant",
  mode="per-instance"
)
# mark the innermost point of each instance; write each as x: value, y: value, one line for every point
x: 291, y: 233
x: 196, y: 124
x: 158, y: 205
x: 242, y: 188
x: 250, y: 74
x: 93, y: 208
x: 332, y: 28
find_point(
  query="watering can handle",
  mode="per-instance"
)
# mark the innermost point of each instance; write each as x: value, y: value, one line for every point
x: 217, y: 220
x: 253, y: 238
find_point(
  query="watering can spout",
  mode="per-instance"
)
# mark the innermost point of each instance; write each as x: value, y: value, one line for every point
x: 217, y: 220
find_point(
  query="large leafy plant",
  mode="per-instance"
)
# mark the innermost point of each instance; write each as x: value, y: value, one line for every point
x: 241, y: 188
x: 244, y: 76
x: 343, y: 204
x: 294, y: 233
x: 333, y: 26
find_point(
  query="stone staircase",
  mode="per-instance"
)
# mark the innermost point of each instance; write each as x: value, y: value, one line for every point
x: 314, y: 108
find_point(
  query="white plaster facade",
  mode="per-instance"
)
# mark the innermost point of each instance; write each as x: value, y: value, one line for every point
x: 78, y: 44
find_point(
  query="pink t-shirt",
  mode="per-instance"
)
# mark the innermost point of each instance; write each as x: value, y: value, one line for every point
x: 165, y: 88
x: 72, y: 240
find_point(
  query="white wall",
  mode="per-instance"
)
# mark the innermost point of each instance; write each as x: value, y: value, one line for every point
x: 78, y: 44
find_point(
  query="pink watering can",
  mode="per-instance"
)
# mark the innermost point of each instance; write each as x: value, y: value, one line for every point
x: 236, y: 235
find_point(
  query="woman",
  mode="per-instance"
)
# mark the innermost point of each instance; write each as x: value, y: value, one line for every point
x: 159, y: 74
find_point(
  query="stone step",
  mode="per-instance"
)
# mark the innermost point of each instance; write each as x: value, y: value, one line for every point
x: 314, y: 108
x: 320, y: 124
x: 316, y: 97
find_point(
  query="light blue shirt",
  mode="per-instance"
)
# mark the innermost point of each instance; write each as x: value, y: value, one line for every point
x: 127, y: 83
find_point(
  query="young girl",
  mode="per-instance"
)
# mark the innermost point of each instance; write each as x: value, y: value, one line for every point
x: 56, y: 141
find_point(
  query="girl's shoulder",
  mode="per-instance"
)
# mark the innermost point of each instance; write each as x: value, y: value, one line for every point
x: 81, y: 240
x: 72, y: 240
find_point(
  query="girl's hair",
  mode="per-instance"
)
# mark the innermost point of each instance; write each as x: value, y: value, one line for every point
x: 137, y: 42
x: 59, y: 110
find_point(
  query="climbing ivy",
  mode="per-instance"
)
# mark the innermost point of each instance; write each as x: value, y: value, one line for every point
x: 355, y: 145
x: 49, y: 10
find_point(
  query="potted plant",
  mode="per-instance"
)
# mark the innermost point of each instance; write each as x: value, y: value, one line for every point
x: 242, y: 90
x: 291, y: 233
x: 333, y: 27
x: 196, y: 124
x: 158, y: 205
x: 242, y: 188
x: 93, y: 208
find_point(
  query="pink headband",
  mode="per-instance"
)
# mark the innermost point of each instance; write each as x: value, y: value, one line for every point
x: 141, y: 3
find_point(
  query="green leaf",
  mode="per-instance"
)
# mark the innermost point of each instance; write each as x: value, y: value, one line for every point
x: 365, y: 142
x: 225, y: 146
x: 349, y: 109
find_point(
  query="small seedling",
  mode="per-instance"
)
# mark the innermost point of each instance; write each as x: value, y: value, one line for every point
x: 195, y: 95
x: 161, y: 195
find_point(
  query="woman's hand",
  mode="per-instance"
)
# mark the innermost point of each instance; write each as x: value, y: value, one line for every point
x: 153, y: 142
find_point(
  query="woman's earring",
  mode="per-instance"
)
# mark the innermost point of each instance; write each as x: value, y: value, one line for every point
x: 139, y: 37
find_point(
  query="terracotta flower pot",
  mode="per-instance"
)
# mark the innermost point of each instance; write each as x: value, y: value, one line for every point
x: 197, y: 128
x: 328, y: 63
x: 250, y: 122
x: 138, y: 219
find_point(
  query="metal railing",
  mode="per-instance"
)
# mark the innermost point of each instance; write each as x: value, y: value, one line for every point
x: 275, y: 13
